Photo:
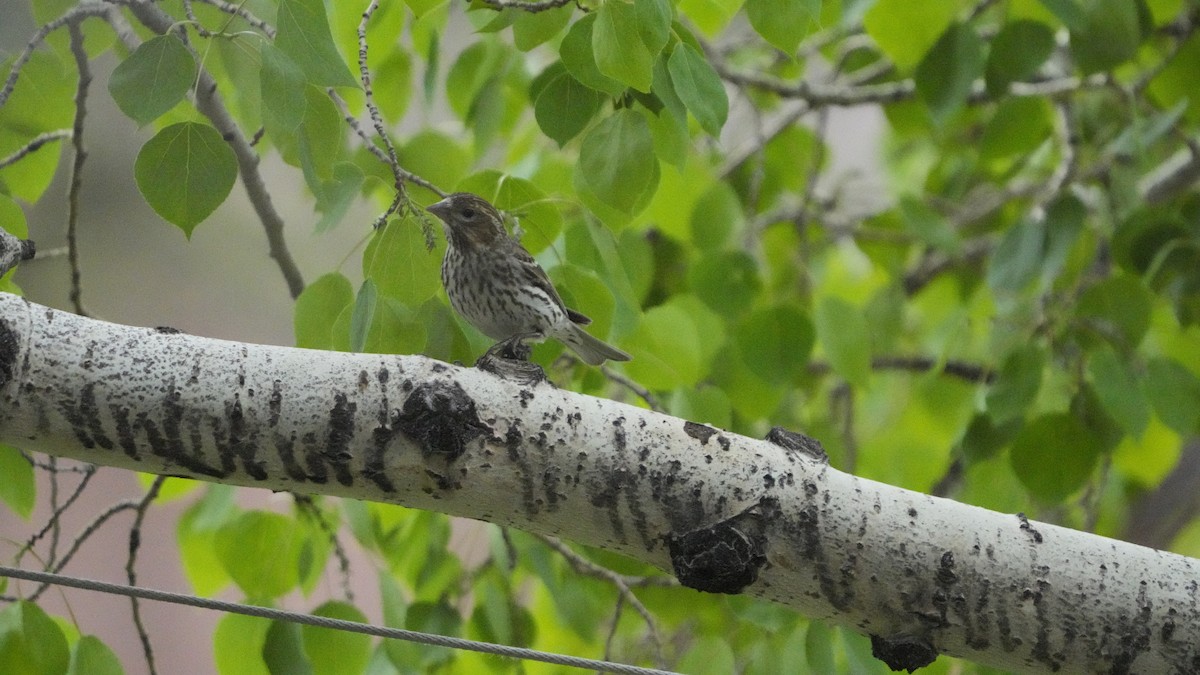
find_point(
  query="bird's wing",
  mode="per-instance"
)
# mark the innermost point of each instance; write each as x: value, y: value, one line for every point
x: 536, y: 276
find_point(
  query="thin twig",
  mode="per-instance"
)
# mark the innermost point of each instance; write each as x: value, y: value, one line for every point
x: 621, y: 582
x: 532, y: 7
x: 640, y: 391
x: 135, y: 543
x: 34, y: 145
x: 73, y: 206
x: 89, y: 470
x: 74, y: 14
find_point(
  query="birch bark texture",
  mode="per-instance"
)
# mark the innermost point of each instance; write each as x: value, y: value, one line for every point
x: 723, y: 512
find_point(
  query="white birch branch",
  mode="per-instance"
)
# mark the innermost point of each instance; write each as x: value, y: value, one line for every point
x: 723, y: 512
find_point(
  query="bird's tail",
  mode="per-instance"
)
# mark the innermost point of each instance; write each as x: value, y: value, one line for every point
x: 591, y: 349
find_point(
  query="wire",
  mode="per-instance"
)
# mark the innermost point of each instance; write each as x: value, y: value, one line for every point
x: 326, y: 622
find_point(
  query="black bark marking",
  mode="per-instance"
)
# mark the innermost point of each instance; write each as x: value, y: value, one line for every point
x: 84, y: 417
x: 125, y: 432
x: 9, y: 348
x: 798, y: 443
x: 1028, y: 528
x: 724, y: 557
x: 167, y: 330
x: 381, y: 437
x: 314, y: 460
x: 1132, y: 635
x: 441, y: 417
x: 512, y: 441
x: 341, y: 432
x: 700, y: 432
x: 806, y: 531
x: 241, y: 443
x: 904, y: 652
x: 161, y: 446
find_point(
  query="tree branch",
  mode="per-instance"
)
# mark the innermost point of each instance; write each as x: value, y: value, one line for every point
x: 209, y: 103
x: 724, y: 512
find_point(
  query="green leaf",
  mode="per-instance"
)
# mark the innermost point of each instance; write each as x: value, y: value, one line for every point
x: 282, y: 650
x: 928, y: 225
x: 397, y: 261
x: 905, y: 30
x: 195, y: 532
x: 716, y: 215
x: 617, y: 162
x: 708, y: 654
x: 37, y: 104
x: 12, y: 218
x: 710, y: 16
x: 18, y: 489
x: 303, y: 34
x: 318, y: 307
x: 1067, y: 11
x: 392, y: 328
x: 704, y: 404
x: 261, y: 552
x: 155, y: 77
x: 580, y: 59
x: 435, y: 156
x: 654, y: 23
x: 332, y: 652
x: 363, y: 315
x: 944, y: 77
x: 1174, y: 391
x: 477, y: 67
x: 90, y: 656
x: 666, y: 349
x: 336, y: 195
x: 699, y: 87
x: 1118, y: 309
x: 562, y: 105
x: 727, y: 282
x: 1053, y: 456
x: 238, y: 643
x: 185, y: 172
x: 535, y: 212
x: 429, y: 617
x: 1017, y: 384
x: 775, y: 343
x: 1018, y: 50
x: 30, y: 641
x: 842, y: 330
x: 984, y: 438
x: 1119, y: 391
x: 1017, y: 128
x: 619, y: 49
x: 783, y: 23
x: 533, y: 28
x: 284, y: 88
x: 1109, y: 36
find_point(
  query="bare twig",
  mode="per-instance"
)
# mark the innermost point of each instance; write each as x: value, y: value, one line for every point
x: 75, y: 14
x: 963, y: 370
x: 621, y: 582
x: 209, y: 103
x: 135, y: 542
x: 73, y: 206
x: 34, y: 145
x: 532, y: 7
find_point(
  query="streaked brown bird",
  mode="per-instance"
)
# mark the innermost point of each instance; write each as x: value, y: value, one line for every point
x: 500, y: 289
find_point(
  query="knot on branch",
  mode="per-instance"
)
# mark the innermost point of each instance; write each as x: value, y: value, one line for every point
x: 441, y: 417
x: 724, y: 557
x: 797, y: 442
x: 903, y: 652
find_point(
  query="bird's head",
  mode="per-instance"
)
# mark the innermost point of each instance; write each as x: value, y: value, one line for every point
x: 470, y: 220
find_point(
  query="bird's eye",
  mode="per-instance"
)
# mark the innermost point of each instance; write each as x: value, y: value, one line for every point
x: 468, y: 213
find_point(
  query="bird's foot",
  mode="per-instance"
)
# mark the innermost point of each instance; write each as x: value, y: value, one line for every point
x: 509, y: 359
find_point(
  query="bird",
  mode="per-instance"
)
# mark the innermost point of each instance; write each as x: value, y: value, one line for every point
x: 497, y: 286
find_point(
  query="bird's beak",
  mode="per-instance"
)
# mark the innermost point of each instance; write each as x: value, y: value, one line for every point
x: 440, y: 209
